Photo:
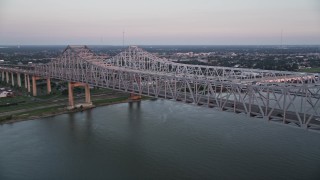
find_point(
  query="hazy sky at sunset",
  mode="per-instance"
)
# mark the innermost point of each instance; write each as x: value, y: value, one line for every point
x: 203, y: 22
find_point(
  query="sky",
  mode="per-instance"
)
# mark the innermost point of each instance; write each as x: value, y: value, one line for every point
x: 160, y: 22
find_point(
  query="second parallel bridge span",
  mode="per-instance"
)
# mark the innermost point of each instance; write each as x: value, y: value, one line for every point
x: 288, y: 97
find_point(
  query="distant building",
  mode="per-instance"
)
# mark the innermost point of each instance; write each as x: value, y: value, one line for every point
x: 203, y: 60
x: 302, y: 67
x: 5, y: 94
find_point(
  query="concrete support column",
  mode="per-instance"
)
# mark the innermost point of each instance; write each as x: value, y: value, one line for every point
x: 304, y: 126
x: 134, y: 97
x: 12, y: 79
x: 48, y: 86
x: 25, y: 81
x: 19, y: 79
x: 87, y: 103
x: 34, y: 86
x: 2, y: 76
x: 87, y: 92
x: 7, y: 77
x: 28, y: 83
x: 70, y: 95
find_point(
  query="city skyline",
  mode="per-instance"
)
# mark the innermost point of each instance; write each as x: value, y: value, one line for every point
x: 201, y: 22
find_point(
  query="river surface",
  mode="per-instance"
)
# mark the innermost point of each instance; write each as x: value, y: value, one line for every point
x: 156, y: 140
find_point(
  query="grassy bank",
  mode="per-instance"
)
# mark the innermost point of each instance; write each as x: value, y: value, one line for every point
x: 101, y: 102
x: 24, y: 106
x: 311, y: 70
x: 56, y: 110
x: 33, y: 114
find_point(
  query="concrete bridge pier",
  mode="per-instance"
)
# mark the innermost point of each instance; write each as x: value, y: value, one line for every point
x: 2, y: 76
x: 18, y: 79
x: 87, y: 103
x: 70, y: 96
x: 34, y: 85
x: 134, y: 97
x: 48, y: 86
x: 25, y: 81
x: 7, y: 77
x: 304, y: 126
x: 12, y: 79
x: 28, y: 84
x: 87, y: 94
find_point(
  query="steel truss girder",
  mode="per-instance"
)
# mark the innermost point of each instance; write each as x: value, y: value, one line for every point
x: 137, y: 71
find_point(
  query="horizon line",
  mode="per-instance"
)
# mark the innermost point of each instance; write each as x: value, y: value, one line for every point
x: 283, y: 45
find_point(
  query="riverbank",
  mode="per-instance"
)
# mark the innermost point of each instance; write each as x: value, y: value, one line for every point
x: 58, y: 110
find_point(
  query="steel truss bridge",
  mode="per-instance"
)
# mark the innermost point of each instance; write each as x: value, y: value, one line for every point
x: 279, y: 96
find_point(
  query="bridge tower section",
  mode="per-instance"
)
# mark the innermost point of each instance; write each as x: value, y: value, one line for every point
x: 87, y: 103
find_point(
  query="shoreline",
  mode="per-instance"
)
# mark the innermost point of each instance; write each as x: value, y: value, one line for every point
x: 64, y: 111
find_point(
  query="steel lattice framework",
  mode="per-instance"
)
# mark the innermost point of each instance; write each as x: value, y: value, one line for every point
x: 288, y: 97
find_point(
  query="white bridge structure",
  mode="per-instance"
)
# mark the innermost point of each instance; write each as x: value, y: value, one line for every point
x: 280, y: 96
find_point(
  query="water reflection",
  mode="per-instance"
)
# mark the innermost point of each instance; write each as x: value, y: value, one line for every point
x: 134, y: 119
x: 156, y: 140
x: 89, y: 121
x: 81, y: 124
x: 71, y: 120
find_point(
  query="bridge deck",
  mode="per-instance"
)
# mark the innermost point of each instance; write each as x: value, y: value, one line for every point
x: 140, y: 72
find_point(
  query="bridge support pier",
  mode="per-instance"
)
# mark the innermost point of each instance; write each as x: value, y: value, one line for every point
x: 48, y: 86
x: 25, y: 81
x: 19, y: 79
x: 134, y: 97
x: 34, y: 85
x: 70, y: 96
x: 28, y: 83
x: 7, y: 77
x: 87, y: 103
x: 2, y: 76
x: 304, y: 126
x: 12, y: 79
x: 87, y: 94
